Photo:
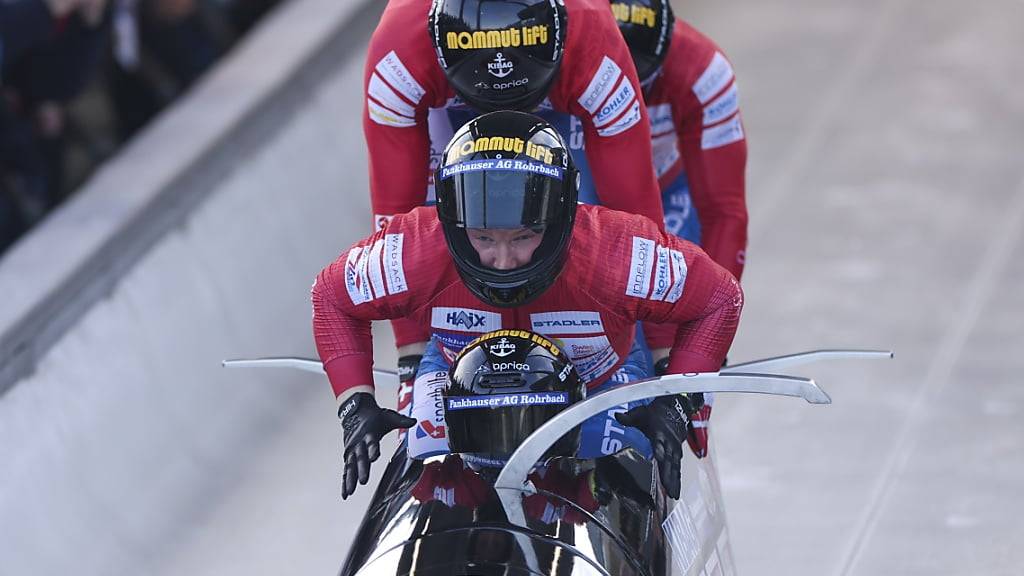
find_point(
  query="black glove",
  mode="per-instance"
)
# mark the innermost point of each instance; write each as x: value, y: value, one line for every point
x: 664, y: 422
x: 364, y: 424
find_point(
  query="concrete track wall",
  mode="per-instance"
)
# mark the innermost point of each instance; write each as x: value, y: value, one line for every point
x: 128, y: 432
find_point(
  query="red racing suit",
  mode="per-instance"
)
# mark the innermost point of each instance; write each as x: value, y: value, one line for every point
x: 696, y: 128
x: 698, y: 141
x: 621, y: 268
x: 596, y: 83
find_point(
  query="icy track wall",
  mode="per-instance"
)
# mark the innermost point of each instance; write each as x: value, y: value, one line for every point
x: 199, y: 242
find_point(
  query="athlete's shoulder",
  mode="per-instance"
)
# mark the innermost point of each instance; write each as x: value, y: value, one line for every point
x: 695, y: 64
x: 407, y: 258
x: 401, y: 61
x: 630, y: 257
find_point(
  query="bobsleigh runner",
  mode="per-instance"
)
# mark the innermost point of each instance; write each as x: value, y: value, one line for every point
x: 446, y: 514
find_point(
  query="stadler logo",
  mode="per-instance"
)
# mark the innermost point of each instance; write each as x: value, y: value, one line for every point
x: 500, y: 67
x: 564, y: 323
x: 467, y: 319
x: 503, y: 348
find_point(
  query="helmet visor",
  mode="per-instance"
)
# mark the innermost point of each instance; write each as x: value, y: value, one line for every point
x: 489, y: 193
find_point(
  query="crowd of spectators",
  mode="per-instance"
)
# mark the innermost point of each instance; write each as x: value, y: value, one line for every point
x: 80, y: 77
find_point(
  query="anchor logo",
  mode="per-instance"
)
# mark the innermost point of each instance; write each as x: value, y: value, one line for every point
x: 500, y: 67
x: 502, y: 348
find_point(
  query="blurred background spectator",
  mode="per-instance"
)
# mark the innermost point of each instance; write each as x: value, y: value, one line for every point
x: 79, y: 77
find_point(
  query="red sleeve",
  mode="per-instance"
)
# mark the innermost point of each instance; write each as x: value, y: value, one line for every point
x: 387, y: 275
x: 401, y: 80
x: 688, y: 290
x: 598, y: 84
x: 705, y: 105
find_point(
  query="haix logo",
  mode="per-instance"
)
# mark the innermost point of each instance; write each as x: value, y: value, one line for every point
x: 503, y: 348
x: 466, y: 319
x: 500, y: 67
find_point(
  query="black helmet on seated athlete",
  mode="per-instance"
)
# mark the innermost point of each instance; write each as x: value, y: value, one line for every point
x: 499, y: 54
x: 507, y: 170
x: 502, y: 387
x: 647, y: 27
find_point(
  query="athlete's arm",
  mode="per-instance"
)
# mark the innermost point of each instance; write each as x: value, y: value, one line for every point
x: 705, y: 106
x: 598, y: 84
x: 688, y: 289
x: 367, y: 282
x: 401, y: 81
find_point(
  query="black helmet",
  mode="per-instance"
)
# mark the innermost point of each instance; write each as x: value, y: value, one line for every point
x: 507, y: 170
x: 499, y: 54
x: 647, y: 27
x: 502, y: 387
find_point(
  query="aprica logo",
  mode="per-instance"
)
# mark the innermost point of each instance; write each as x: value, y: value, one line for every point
x: 427, y: 428
x: 503, y: 348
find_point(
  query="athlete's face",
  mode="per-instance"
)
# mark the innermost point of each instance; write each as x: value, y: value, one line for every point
x: 504, y: 249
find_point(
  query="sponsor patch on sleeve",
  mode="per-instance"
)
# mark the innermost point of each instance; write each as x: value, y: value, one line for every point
x: 376, y: 274
x: 382, y: 115
x: 372, y: 272
x: 656, y: 272
x: 356, y: 281
x: 662, y: 275
x: 715, y: 77
x: 722, y: 134
x: 394, y: 269
x: 640, y: 266
x: 621, y: 98
x: 382, y: 93
x: 398, y: 76
x: 722, y: 107
x: 600, y: 85
x: 625, y: 122
x: 678, y: 276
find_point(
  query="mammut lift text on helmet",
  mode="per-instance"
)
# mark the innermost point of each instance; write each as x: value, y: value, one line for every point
x: 647, y: 27
x: 507, y: 170
x: 499, y: 54
x: 502, y: 387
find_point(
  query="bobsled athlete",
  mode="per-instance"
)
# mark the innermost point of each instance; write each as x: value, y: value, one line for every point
x: 428, y: 59
x: 507, y: 247
x: 700, y: 150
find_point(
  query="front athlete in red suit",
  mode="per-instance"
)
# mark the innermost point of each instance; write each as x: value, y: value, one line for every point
x: 507, y: 247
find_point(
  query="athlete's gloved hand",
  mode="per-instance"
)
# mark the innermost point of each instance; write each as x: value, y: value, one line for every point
x: 697, y: 411
x: 364, y: 424
x: 664, y: 421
